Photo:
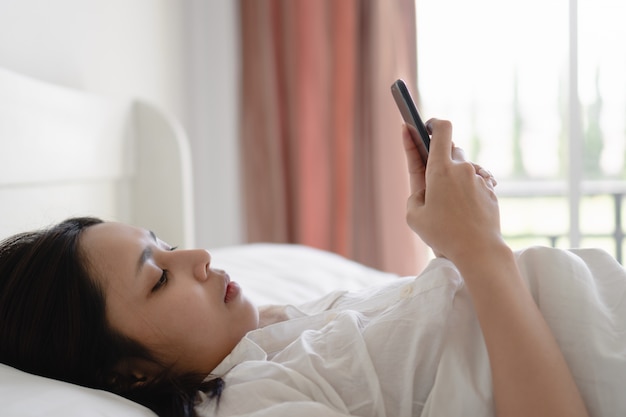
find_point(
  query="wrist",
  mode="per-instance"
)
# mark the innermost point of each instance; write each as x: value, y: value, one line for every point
x: 482, y: 253
x: 485, y: 264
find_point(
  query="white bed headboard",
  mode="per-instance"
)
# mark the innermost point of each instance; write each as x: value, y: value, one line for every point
x: 65, y: 153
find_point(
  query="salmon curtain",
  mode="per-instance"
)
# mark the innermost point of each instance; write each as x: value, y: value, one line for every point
x: 322, y: 157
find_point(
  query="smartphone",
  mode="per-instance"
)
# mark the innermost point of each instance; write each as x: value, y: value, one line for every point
x: 411, y: 117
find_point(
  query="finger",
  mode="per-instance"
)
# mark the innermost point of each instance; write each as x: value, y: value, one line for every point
x: 441, y: 140
x: 486, y: 175
x: 414, y: 161
x: 458, y: 154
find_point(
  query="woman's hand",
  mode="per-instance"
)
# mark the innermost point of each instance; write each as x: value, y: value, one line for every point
x: 454, y: 209
x: 452, y: 206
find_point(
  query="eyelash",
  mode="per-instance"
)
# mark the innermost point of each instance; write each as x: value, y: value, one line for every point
x: 162, y: 282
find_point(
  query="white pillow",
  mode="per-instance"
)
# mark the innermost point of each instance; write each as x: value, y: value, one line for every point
x: 26, y: 395
x: 271, y: 273
x: 268, y: 274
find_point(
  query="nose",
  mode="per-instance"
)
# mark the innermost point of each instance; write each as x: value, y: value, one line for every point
x: 192, y: 262
x: 200, y: 260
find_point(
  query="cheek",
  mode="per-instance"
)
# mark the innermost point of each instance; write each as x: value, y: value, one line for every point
x: 128, y: 319
x: 197, y: 335
x: 187, y: 319
x: 157, y: 325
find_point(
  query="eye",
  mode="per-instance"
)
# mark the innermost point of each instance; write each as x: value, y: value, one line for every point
x: 164, y: 275
x: 162, y: 282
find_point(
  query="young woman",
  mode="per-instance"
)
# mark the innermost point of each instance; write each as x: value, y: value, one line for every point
x: 111, y: 306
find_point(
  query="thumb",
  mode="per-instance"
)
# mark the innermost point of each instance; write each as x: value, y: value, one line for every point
x: 441, y: 141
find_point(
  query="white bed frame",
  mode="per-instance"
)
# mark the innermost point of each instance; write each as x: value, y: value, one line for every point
x: 67, y: 153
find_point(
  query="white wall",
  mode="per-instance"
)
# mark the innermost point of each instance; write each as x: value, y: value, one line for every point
x: 181, y: 55
x: 212, y: 75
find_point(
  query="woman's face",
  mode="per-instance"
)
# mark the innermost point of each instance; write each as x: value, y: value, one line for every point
x: 186, y: 314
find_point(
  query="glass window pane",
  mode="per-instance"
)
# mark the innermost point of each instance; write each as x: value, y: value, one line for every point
x: 543, y: 216
x: 500, y: 77
x: 597, y: 215
x: 606, y: 244
x: 534, y: 221
x: 602, y: 86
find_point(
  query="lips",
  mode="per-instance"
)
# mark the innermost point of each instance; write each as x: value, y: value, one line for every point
x: 232, y: 290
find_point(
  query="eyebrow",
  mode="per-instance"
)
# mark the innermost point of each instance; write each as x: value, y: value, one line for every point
x: 145, y: 254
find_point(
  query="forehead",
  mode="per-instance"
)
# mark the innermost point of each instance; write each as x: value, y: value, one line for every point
x: 112, y: 248
x: 110, y: 235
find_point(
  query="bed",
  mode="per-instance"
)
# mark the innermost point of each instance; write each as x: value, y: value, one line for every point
x: 65, y: 152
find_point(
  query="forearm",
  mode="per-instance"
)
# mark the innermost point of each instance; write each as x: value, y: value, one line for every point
x: 530, y: 375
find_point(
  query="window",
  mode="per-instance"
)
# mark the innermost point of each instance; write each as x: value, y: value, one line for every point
x: 537, y: 94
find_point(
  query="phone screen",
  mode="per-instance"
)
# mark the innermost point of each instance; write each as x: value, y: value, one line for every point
x: 411, y: 117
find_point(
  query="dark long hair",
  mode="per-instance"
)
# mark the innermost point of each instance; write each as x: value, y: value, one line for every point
x: 53, y: 323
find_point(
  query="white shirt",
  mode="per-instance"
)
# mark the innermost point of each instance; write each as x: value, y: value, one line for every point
x: 414, y: 346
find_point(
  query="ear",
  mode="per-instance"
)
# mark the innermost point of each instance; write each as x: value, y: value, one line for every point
x: 133, y: 372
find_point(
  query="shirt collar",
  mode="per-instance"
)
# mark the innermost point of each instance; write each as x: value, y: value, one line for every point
x: 246, y: 350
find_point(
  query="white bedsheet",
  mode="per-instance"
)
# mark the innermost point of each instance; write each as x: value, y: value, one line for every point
x: 415, y: 348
